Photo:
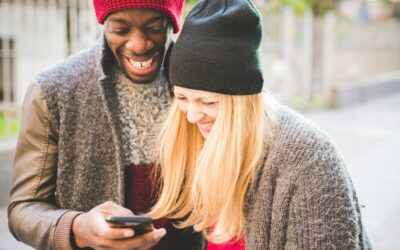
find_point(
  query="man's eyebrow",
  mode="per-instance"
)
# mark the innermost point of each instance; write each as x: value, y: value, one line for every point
x: 151, y: 20
x: 118, y: 20
x: 156, y: 18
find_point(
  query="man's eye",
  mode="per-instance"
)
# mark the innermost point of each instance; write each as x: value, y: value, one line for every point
x: 121, y: 32
x: 155, y: 30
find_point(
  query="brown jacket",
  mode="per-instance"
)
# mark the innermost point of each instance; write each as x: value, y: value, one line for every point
x: 59, y: 167
x: 32, y: 194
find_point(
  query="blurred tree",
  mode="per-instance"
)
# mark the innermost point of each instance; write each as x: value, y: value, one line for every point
x: 395, y: 6
x: 188, y: 6
x: 319, y: 7
x: 191, y: 2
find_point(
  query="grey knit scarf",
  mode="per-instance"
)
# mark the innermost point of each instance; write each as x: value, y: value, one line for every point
x: 143, y: 110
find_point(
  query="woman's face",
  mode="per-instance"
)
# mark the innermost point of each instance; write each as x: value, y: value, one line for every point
x: 201, y: 107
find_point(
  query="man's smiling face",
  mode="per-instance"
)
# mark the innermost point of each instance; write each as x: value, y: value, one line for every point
x: 138, y: 39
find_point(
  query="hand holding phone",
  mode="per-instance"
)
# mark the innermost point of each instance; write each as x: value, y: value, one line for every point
x: 91, y: 230
x: 139, y: 223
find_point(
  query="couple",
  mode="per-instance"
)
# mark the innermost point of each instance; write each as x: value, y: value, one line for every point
x: 192, y: 141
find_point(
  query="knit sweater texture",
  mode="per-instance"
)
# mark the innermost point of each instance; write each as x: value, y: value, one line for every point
x: 143, y: 110
x: 303, y: 197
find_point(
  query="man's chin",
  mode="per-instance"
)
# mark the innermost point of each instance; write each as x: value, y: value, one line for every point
x: 141, y: 79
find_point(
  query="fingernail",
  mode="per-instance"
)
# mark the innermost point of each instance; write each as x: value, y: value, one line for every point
x: 128, y: 233
x: 159, y: 234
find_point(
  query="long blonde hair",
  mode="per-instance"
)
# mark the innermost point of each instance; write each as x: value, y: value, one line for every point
x: 205, y: 182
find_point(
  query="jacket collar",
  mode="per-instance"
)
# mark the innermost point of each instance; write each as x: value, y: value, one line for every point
x: 104, y: 58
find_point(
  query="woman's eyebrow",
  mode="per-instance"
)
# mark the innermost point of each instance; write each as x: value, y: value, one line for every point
x: 197, y: 98
x: 208, y: 97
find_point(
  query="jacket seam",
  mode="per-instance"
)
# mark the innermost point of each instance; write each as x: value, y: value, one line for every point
x: 45, y: 143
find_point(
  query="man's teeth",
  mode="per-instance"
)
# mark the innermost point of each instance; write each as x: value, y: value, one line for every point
x: 141, y: 65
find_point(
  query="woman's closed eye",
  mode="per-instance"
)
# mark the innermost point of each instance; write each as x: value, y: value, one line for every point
x: 210, y: 104
x: 181, y: 98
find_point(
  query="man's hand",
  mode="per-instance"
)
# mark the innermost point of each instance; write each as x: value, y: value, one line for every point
x: 91, y: 230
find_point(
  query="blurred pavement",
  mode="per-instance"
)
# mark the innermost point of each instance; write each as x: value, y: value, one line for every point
x: 368, y: 137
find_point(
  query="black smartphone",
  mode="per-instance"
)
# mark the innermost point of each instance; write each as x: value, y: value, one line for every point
x: 140, y: 223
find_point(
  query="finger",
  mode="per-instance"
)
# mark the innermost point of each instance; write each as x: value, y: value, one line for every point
x: 110, y: 207
x: 159, y: 234
x: 116, y: 233
x: 147, y: 240
x: 102, y: 244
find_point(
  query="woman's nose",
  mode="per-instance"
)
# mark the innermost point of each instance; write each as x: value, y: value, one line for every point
x: 194, y: 114
x: 139, y: 43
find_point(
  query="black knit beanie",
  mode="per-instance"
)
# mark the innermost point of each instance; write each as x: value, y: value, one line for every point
x: 217, y: 49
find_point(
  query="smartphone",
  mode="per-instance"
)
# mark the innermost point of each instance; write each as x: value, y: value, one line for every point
x: 140, y: 223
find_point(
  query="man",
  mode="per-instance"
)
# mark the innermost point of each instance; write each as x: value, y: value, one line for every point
x: 88, y: 130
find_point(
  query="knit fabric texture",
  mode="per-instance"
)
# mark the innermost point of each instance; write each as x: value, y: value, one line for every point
x: 217, y: 49
x: 173, y: 8
x: 143, y: 110
x: 303, y: 197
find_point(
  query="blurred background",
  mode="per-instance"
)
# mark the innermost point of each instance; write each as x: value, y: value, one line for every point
x: 335, y: 61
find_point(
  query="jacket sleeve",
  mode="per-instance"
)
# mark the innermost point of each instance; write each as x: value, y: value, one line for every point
x: 325, y: 212
x: 34, y: 217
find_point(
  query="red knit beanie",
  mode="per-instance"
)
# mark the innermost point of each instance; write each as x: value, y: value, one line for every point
x: 173, y: 8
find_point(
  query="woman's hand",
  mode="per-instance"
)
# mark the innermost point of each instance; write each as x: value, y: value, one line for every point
x: 91, y: 230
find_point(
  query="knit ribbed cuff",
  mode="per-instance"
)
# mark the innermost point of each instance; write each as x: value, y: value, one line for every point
x: 63, y: 231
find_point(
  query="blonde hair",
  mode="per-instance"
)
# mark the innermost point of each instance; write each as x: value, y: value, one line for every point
x: 205, y: 182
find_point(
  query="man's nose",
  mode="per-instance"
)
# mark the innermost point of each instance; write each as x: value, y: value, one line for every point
x: 194, y: 114
x: 139, y: 43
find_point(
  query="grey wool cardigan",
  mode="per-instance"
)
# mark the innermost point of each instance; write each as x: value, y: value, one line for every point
x: 303, y: 197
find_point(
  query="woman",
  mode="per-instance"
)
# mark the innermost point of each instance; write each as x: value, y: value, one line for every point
x: 245, y: 171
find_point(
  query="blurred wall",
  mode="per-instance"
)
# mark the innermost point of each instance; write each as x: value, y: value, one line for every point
x: 43, y: 34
